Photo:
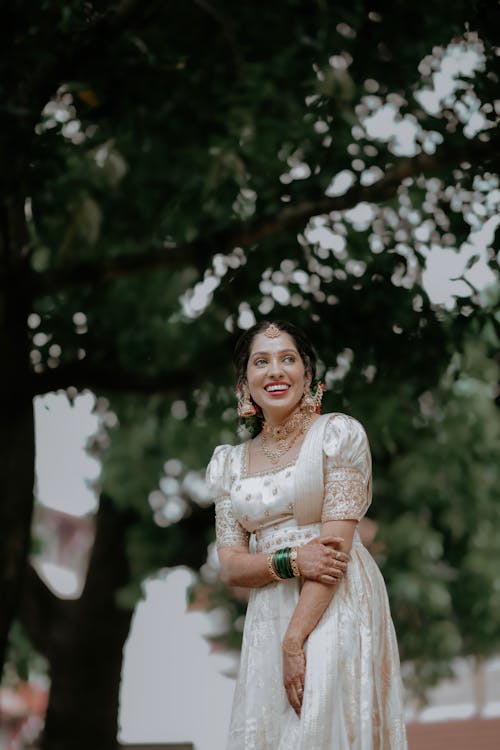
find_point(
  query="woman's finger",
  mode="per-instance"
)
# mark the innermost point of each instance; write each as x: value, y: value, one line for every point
x: 328, y: 579
x: 336, y: 540
x: 341, y: 557
x: 295, y: 699
x: 334, y: 572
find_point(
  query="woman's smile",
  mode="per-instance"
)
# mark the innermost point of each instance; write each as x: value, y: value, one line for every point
x: 277, y: 389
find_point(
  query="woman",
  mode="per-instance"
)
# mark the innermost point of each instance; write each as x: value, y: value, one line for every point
x: 319, y: 665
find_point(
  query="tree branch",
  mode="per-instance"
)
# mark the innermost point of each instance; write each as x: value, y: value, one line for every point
x: 82, y: 375
x: 244, y: 235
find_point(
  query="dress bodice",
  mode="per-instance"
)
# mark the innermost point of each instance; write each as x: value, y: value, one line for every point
x: 263, y: 498
x: 247, y: 503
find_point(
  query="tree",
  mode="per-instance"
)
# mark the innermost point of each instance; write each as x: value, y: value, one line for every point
x: 155, y: 153
x: 445, y: 591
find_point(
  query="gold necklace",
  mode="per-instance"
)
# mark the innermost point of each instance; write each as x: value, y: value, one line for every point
x: 284, y: 429
x: 295, y: 425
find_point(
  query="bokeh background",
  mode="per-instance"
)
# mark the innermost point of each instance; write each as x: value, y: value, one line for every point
x: 170, y: 173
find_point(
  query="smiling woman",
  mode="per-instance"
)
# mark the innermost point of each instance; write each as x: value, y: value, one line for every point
x: 276, y: 379
x: 319, y: 665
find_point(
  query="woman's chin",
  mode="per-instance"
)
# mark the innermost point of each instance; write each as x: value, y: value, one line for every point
x: 283, y: 405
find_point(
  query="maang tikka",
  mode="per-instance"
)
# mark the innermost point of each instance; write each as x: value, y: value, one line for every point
x: 272, y: 331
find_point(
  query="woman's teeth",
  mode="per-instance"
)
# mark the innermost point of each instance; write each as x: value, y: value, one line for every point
x: 276, y: 388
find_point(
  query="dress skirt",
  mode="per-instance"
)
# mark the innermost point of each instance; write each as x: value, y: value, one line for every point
x: 352, y: 692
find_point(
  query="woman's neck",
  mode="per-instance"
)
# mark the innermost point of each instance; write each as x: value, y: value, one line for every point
x: 274, y: 418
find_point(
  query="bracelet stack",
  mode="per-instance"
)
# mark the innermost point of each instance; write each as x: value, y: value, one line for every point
x: 294, y: 562
x: 272, y: 569
x: 283, y: 564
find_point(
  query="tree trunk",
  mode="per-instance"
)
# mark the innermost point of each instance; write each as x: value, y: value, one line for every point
x: 83, y: 641
x: 85, y: 669
x: 17, y: 449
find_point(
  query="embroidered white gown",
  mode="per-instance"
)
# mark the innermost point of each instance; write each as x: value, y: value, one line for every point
x: 352, y: 692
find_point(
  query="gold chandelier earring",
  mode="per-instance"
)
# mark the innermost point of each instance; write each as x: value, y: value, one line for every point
x: 246, y: 407
x: 311, y: 400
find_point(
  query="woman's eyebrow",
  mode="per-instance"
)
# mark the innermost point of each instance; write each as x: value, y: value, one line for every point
x: 281, y: 351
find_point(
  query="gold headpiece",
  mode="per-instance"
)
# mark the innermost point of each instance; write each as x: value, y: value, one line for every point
x: 272, y: 331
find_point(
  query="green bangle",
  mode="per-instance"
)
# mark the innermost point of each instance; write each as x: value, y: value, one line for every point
x: 272, y: 569
x: 277, y: 560
x: 282, y: 563
x: 288, y: 562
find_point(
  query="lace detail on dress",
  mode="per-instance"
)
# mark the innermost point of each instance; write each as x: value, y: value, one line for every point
x: 345, y: 495
x: 229, y: 532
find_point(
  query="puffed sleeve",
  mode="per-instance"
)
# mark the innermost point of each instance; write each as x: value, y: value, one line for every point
x: 348, y: 469
x: 229, y: 532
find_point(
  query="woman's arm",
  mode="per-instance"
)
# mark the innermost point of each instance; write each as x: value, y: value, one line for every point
x: 320, y: 560
x: 240, y: 568
x: 313, y: 601
x: 316, y: 596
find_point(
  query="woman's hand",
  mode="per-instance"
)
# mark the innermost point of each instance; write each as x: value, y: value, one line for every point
x: 294, y: 675
x: 321, y: 560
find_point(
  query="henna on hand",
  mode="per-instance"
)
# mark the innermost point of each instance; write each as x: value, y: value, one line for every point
x: 319, y: 560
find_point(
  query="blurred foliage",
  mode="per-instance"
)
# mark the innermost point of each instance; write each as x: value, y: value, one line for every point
x: 184, y: 169
x: 22, y: 659
x: 440, y: 555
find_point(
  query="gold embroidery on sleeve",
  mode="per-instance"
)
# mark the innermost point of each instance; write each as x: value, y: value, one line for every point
x: 229, y: 532
x: 346, y: 495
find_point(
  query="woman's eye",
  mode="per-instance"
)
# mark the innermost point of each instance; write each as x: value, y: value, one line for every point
x: 290, y: 358
x: 259, y: 362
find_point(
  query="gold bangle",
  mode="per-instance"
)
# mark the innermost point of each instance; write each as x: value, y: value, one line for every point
x: 292, y: 653
x: 270, y: 565
x: 294, y: 562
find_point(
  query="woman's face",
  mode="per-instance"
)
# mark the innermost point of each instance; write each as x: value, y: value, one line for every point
x: 276, y: 375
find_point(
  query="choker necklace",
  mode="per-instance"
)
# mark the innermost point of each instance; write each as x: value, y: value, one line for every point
x: 294, y: 426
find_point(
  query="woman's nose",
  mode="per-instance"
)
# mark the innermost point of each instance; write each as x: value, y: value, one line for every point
x: 275, y: 368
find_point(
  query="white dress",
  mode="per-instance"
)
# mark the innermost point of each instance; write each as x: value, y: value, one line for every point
x: 352, y: 693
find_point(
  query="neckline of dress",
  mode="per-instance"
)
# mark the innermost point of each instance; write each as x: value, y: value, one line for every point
x: 245, y: 461
x: 246, y: 449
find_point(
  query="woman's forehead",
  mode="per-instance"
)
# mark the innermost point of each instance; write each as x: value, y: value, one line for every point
x: 262, y: 343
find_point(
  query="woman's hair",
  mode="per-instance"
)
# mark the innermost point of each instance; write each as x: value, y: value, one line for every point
x: 244, y: 345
